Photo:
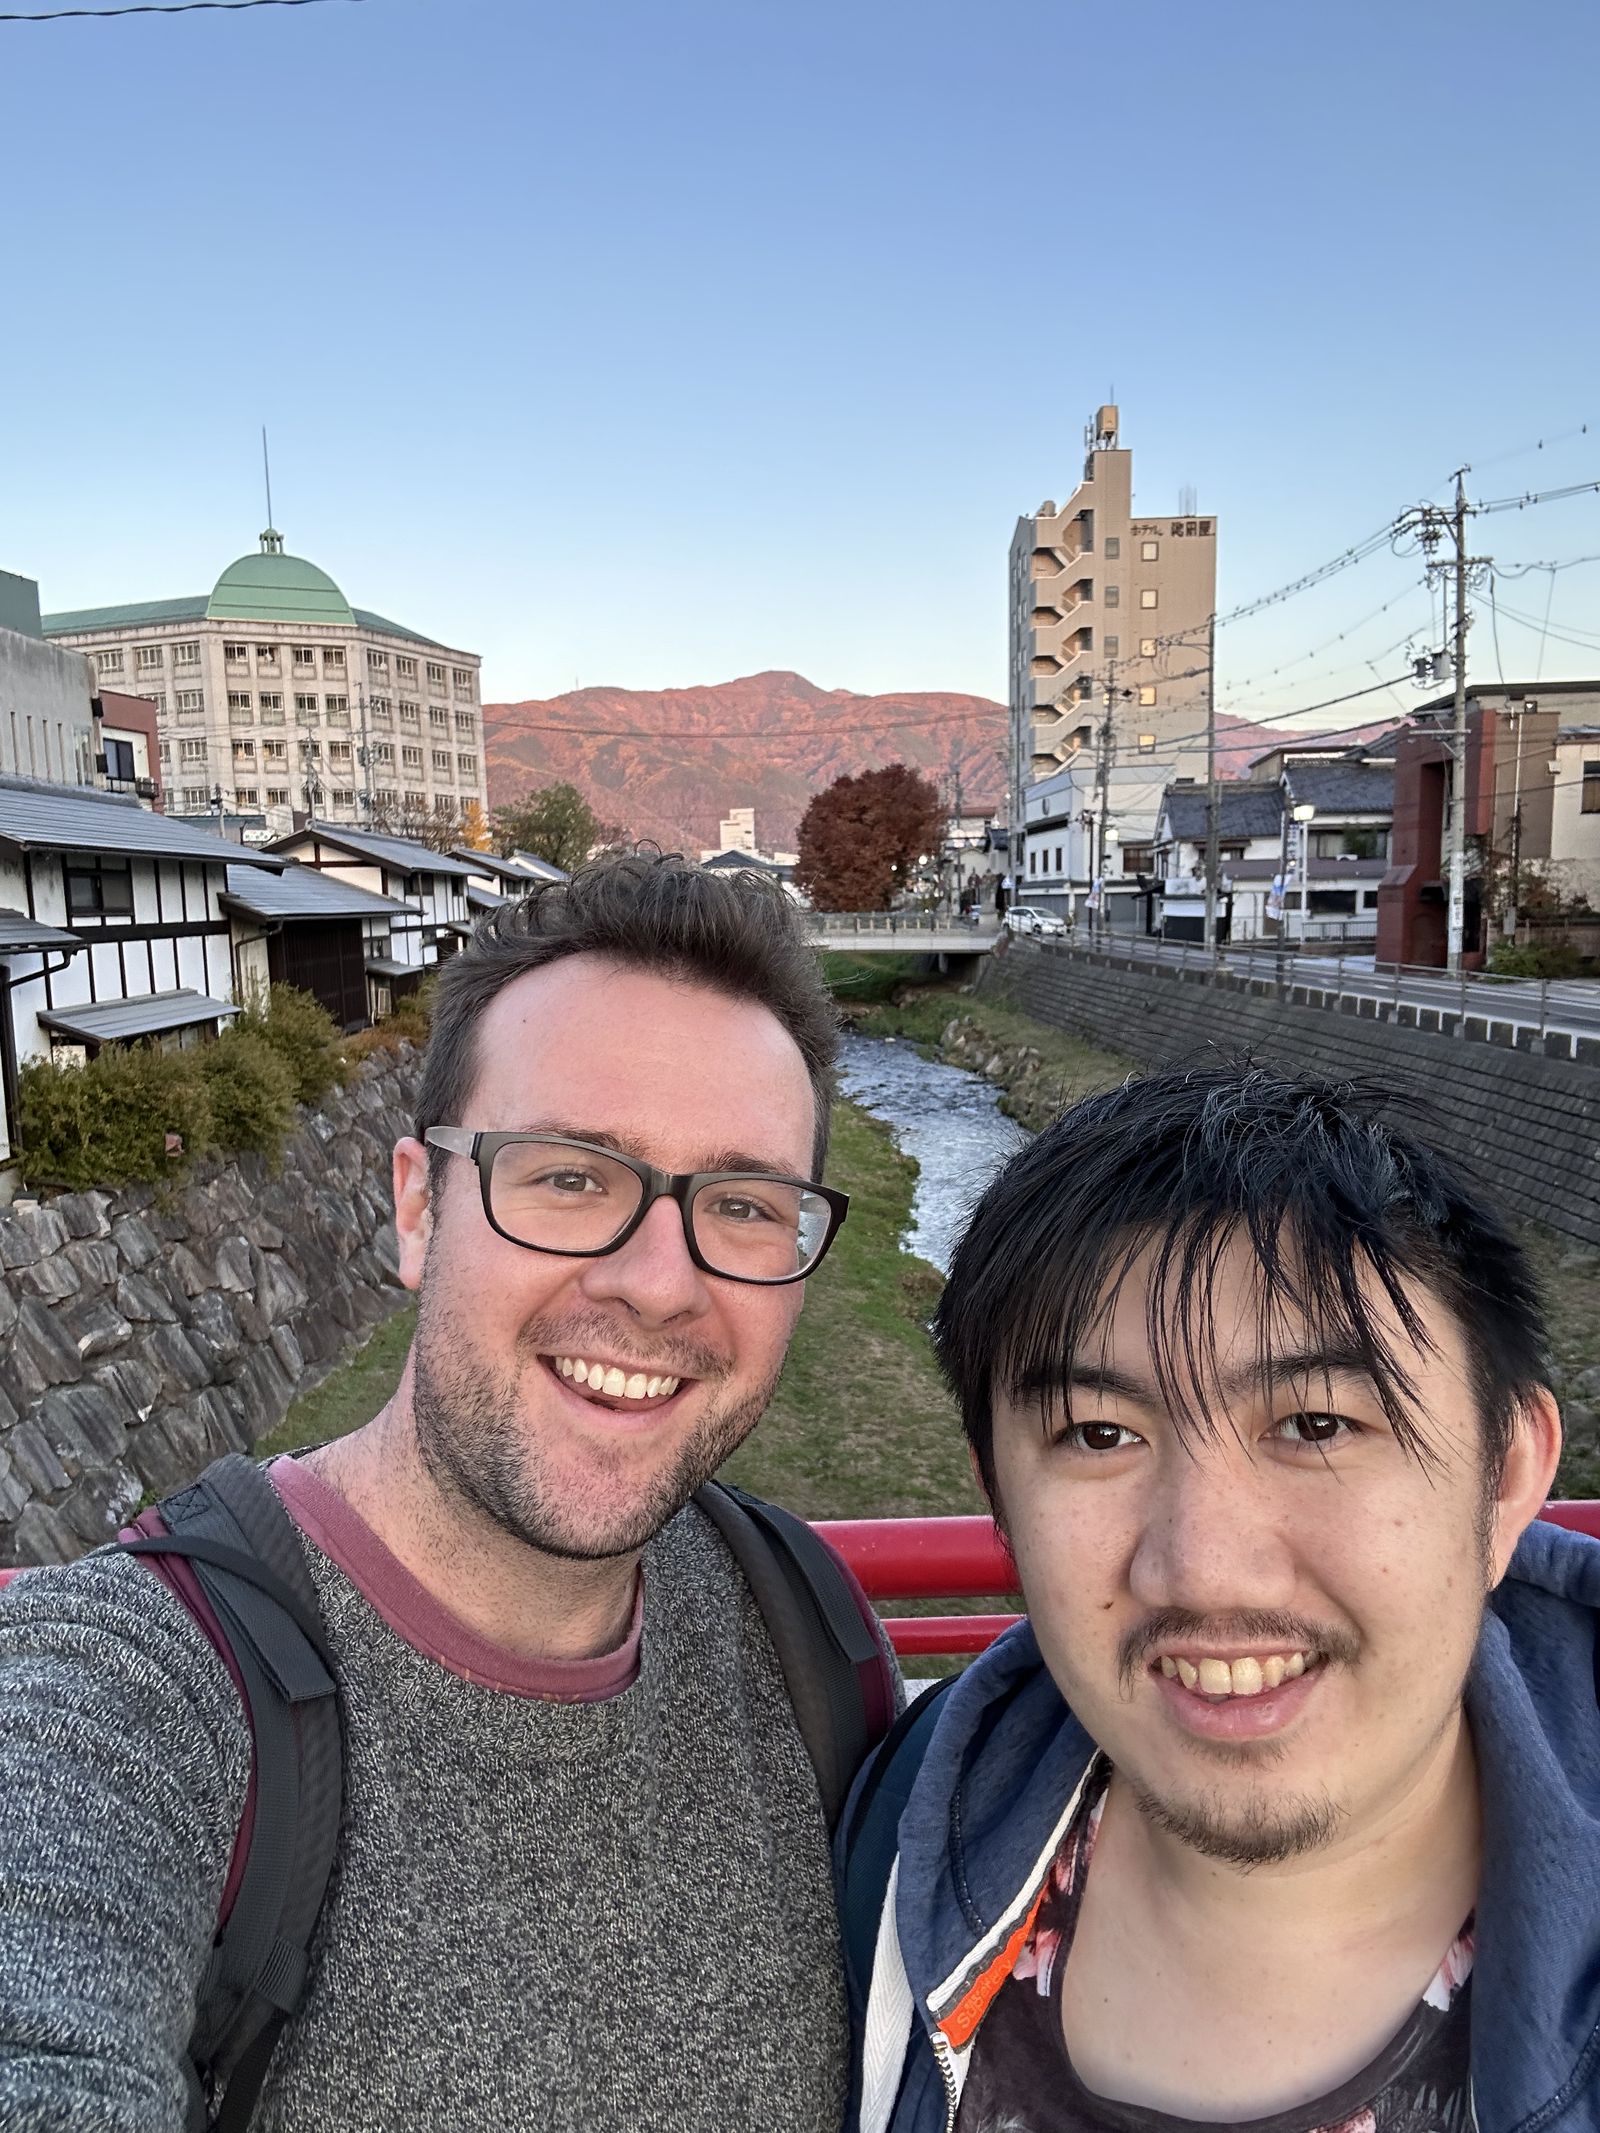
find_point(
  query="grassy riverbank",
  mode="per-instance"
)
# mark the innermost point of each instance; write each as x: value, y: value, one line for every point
x: 861, y: 1424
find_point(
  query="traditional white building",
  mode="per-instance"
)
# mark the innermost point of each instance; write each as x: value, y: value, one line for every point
x: 430, y: 887
x: 111, y: 927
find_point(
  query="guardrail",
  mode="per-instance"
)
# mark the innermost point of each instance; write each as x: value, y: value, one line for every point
x: 900, y: 922
x: 965, y: 1559
x: 1558, y: 1014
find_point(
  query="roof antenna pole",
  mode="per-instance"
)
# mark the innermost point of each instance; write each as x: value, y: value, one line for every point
x: 266, y: 469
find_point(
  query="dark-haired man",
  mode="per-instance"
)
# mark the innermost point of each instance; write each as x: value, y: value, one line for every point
x: 1282, y: 1810
x: 582, y: 1876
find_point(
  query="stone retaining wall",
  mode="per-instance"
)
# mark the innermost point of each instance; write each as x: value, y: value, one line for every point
x: 143, y: 1334
x: 1528, y: 1126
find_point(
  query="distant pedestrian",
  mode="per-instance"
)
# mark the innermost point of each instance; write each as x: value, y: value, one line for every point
x: 580, y: 1873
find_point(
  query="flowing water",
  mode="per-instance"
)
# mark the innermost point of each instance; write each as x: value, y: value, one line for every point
x: 946, y: 1118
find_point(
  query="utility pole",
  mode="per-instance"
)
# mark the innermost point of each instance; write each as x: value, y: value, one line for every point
x: 1213, y: 791
x: 364, y: 758
x: 1103, y: 783
x: 1456, y: 933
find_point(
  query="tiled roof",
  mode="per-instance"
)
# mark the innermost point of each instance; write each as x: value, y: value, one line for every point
x: 19, y: 931
x: 70, y: 818
x: 1342, y: 788
x: 142, y: 1016
x: 1245, y: 810
x: 397, y: 852
x: 192, y: 608
x: 304, y: 892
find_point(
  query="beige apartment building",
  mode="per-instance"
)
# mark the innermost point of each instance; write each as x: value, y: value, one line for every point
x: 1104, y: 598
x: 275, y: 692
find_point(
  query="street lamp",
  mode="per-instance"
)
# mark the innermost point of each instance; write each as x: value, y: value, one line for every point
x: 1303, y: 815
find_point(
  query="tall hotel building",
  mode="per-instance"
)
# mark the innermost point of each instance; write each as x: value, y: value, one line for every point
x: 1101, y: 598
x: 275, y: 692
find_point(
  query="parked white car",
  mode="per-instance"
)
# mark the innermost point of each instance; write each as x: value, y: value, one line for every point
x: 1028, y: 918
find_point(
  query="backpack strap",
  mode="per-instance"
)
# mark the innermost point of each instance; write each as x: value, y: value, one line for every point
x: 870, y: 1840
x: 835, y: 1664
x: 232, y: 1529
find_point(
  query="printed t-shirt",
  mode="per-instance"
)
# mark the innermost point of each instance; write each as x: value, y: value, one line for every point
x: 1022, y: 2079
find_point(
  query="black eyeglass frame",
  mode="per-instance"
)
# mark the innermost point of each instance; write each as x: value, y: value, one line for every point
x: 482, y: 1148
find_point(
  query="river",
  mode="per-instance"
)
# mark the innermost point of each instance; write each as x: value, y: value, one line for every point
x: 950, y: 1121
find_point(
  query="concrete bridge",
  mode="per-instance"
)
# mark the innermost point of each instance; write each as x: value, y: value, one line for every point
x: 956, y: 944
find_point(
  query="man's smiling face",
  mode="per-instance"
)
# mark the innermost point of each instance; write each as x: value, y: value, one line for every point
x: 677, y: 1075
x: 1267, y: 1627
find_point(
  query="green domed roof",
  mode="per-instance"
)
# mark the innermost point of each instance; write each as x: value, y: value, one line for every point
x: 274, y: 587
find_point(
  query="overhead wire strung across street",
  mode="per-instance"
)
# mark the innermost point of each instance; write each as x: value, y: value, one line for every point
x: 162, y: 7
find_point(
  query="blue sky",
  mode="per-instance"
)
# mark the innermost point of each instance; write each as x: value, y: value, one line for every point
x: 654, y: 344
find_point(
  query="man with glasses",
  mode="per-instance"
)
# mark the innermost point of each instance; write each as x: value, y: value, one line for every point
x: 581, y: 1875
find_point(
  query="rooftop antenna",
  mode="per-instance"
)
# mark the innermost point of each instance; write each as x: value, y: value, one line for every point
x: 272, y: 539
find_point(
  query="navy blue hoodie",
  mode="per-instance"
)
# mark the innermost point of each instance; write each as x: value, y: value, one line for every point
x: 1001, y: 1780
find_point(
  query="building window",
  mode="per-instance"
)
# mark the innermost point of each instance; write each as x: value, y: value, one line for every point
x: 191, y: 751
x: 277, y: 796
x: 1147, y: 695
x: 1147, y: 647
x: 381, y: 707
x: 1149, y: 551
x: 410, y: 713
x: 443, y: 805
x: 412, y: 758
x: 247, y: 796
x: 155, y: 699
x: 405, y: 669
x: 383, y: 752
x: 305, y: 658
x: 1147, y: 744
x: 1111, y: 646
x: 1033, y: 862
x: 441, y: 761
x: 275, y: 751
x: 237, y: 655
x: 467, y: 765
x: 343, y: 796
x: 186, y: 655
x: 1112, y: 547
x: 1149, y: 597
x: 383, y: 797
x: 333, y: 659
x: 271, y: 701
x: 109, y: 662
x: 463, y: 680
x: 119, y: 761
x: 1113, y: 596
x: 267, y: 656
x: 439, y: 716
x: 339, y: 752
x: 377, y: 663
x: 196, y: 800
x: 305, y: 706
x: 239, y: 703
x: 436, y: 676
x: 244, y: 751
x: 189, y: 701
x: 1590, y: 803
x: 465, y: 722
x: 150, y: 658
x: 336, y: 706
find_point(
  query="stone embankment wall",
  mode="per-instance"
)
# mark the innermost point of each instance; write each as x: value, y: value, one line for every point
x: 1528, y: 1126
x: 142, y: 1334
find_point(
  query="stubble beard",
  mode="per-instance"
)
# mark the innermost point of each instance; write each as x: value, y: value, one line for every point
x: 480, y: 1446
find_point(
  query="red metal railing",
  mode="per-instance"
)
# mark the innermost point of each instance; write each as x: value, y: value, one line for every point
x: 965, y: 1559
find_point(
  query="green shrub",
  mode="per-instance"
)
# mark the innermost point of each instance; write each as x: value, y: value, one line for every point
x: 1553, y: 960
x: 107, y: 1123
x: 252, y: 1089
x: 300, y: 1029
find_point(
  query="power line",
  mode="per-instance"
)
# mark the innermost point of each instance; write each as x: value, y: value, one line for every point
x: 162, y: 7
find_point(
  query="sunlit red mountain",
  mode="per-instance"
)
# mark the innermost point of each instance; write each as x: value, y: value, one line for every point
x: 668, y: 764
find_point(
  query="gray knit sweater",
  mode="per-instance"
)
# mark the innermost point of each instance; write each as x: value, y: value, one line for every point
x: 599, y: 1915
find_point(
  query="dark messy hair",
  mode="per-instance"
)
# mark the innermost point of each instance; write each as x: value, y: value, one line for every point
x: 738, y: 934
x: 1324, y: 1182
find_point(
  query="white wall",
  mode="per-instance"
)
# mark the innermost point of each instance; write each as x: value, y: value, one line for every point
x: 46, y: 726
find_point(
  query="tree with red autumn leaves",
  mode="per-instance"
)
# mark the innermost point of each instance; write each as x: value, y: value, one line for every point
x: 862, y: 838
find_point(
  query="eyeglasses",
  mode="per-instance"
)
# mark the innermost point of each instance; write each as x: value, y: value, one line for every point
x: 550, y: 1194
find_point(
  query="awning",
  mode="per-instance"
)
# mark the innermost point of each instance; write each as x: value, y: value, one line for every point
x: 385, y: 966
x: 106, y: 1021
x: 17, y: 930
